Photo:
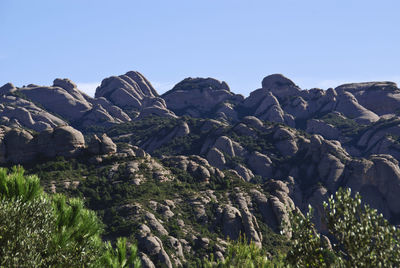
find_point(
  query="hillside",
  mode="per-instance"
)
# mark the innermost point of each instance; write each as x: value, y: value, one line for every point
x: 181, y: 172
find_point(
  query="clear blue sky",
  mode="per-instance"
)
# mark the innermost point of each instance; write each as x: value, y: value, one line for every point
x: 319, y: 43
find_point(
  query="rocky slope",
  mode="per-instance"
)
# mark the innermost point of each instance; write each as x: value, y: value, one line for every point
x: 182, y: 172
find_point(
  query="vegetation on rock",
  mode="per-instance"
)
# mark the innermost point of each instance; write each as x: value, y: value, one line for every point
x: 38, y: 230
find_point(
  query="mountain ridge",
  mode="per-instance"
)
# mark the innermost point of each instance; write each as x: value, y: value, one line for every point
x: 240, y: 164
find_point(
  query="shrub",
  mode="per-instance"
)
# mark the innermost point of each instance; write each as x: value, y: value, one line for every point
x: 25, y: 232
x: 241, y: 254
x: 363, y: 237
x: 307, y: 247
x: 122, y: 256
x: 38, y: 230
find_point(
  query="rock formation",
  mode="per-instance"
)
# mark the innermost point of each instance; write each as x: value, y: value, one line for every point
x: 198, y: 96
x: 226, y: 165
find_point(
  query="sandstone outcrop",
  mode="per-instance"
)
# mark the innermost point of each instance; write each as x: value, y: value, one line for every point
x: 328, y: 131
x: 7, y: 88
x: 126, y: 91
x: 152, y: 246
x: 296, y: 147
x: 132, y: 91
x: 25, y: 113
x: 285, y: 141
x: 280, y: 85
x: 198, y: 96
x: 378, y: 181
x: 20, y: 146
x: 195, y: 165
x: 260, y: 164
x: 348, y: 105
x: 216, y: 158
x: 65, y: 101
x: 372, y: 95
x: 102, y: 145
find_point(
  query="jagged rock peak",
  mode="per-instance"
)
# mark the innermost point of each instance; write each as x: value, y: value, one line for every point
x: 143, y: 82
x: 196, y: 97
x: 7, y: 88
x: 65, y: 83
x: 276, y: 80
x: 280, y: 86
x: 199, y: 83
x: 133, y: 82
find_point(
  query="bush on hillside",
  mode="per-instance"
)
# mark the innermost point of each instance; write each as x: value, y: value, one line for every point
x: 38, y: 230
x: 361, y: 236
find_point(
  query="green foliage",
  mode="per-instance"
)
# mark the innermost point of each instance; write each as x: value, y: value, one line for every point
x: 363, y: 237
x: 241, y: 254
x: 109, y: 194
x: 122, y: 256
x: 307, y: 247
x: 38, y: 230
x: 348, y: 127
x: 17, y: 186
x: 144, y: 128
x: 263, y: 142
x: 77, y: 237
x: 26, y: 230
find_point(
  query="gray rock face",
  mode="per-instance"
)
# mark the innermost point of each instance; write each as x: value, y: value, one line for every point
x: 328, y: 131
x: 152, y: 246
x: 157, y: 107
x: 381, y: 139
x: 227, y: 112
x: 21, y: 147
x: 197, y: 96
x: 378, y: 179
x: 244, y: 172
x: 146, y: 262
x: 133, y: 91
x: 63, y: 141
x: 371, y: 95
x: 128, y: 90
x: 264, y: 105
x: 280, y: 86
x: 216, y: 158
x: 348, y: 105
x: 231, y: 148
x: 117, y: 113
x: 7, y: 88
x: 244, y: 130
x: 103, y: 145
x: 155, y: 224
x: 275, y: 210
x: 26, y: 114
x: 232, y: 222
x: 260, y: 164
x: 249, y: 221
x: 254, y: 122
x: 285, y: 141
x: 66, y: 101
